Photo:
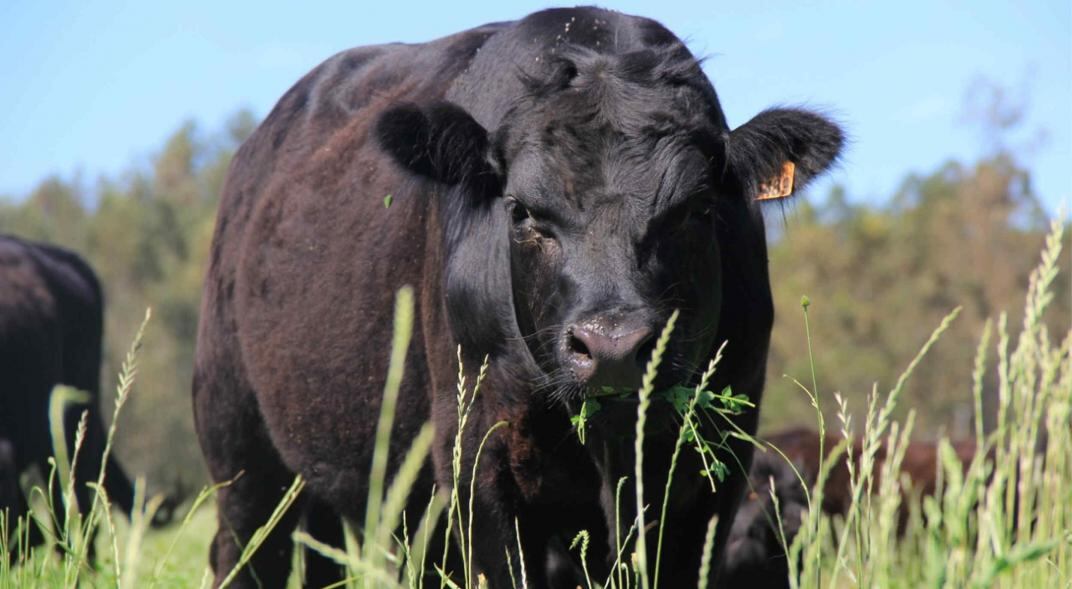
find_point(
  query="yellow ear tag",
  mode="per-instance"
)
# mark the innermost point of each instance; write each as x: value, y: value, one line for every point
x: 779, y: 187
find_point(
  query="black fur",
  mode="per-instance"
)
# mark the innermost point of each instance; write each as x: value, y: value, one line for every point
x: 563, y: 176
x: 759, y: 147
x: 441, y: 142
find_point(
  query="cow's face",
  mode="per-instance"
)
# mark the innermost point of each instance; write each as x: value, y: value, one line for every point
x: 614, y: 180
x: 609, y: 232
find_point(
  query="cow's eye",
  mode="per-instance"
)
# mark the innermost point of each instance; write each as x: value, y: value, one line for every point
x: 527, y: 229
x: 518, y: 213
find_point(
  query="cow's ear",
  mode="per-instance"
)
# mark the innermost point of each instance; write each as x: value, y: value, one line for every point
x: 781, y: 150
x: 439, y: 141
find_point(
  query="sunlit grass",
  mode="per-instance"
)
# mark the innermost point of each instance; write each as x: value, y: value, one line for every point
x: 1004, y: 521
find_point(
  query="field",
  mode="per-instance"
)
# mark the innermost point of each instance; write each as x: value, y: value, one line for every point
x: 1007, y: 522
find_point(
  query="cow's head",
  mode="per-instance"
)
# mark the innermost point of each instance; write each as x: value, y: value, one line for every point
x: 622, y: 196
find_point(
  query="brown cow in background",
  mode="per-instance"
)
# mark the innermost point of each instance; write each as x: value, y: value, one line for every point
x: 755, y: 554
x: 801, y: 447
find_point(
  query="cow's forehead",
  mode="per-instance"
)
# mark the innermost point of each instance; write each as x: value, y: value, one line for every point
x: 605, y: 139
x: 644, y: 175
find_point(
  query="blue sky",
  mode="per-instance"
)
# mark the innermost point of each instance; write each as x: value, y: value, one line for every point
x: 95, y: 86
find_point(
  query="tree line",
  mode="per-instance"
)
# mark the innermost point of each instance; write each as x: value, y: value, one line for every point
x: 880, y: 276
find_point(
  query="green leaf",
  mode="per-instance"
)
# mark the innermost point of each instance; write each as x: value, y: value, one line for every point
x: 678, y: 396
x: 387, y: 200
x: 589, y: 407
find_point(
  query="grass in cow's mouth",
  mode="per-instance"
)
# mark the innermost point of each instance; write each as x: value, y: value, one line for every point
x: 692, y: 405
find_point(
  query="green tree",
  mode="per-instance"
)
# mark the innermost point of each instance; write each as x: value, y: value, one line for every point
x: 881, y: 278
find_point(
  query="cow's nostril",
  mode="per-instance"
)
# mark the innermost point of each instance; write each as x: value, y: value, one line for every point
x: 577, y: 347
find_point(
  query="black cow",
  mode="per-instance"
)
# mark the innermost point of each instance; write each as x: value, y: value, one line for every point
x: 51, y: 321
x: 560, y: 185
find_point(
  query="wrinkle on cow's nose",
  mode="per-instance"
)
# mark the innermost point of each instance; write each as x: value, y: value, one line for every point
x: 602, y: 355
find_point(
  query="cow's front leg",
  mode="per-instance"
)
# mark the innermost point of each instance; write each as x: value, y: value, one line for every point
x: 507, y: 546
x: 510, y: 538
x: 497, y: 534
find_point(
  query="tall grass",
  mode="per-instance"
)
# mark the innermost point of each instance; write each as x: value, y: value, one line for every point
x: 1004, y: 521
x: 70, y: 530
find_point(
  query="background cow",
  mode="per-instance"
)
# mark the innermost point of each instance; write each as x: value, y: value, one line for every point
x: 920, y: 464
x: 755, y: 554
x: 560, y: 184
x: 51, y: 312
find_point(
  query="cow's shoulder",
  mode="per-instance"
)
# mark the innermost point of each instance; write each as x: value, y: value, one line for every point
x: 318, y: 132
x: 358, y: 80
